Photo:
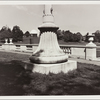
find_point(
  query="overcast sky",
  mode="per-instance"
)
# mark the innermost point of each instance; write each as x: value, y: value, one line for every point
x: 76, y: 18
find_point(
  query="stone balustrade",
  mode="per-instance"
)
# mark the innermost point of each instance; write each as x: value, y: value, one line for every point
x: 72, y: 50
x: 85, y: 52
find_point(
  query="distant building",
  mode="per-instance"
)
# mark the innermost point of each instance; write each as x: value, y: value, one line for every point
x: 34, y: 33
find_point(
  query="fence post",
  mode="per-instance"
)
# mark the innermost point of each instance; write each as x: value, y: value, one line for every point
x: 85, y: 53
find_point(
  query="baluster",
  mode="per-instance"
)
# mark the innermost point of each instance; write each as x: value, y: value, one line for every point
x: 64, y: 49
x: 70, y: 50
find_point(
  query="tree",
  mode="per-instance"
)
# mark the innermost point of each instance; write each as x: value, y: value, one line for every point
x: 74, y: 37
x: 27, y: 34
x: 68, y: 36
x: 86, y: 37
x: 78, y: 37
x: 96, y: 36
x: 17, y: 34
x: 60, y: 34
x: 5, y: 32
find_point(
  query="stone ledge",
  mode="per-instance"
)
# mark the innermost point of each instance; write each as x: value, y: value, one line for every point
x: 53, y: 68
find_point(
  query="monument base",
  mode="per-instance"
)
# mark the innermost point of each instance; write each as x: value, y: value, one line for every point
x: 52, y: 68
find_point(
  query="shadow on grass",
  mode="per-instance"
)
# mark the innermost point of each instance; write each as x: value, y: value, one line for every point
x: 14, y: 80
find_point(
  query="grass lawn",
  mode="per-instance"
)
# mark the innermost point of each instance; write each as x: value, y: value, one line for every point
x: 71, y: 43
x: 15, y: 80
x: 35, y: 40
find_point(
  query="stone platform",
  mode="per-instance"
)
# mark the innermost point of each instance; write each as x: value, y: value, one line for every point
x: 53, y: 68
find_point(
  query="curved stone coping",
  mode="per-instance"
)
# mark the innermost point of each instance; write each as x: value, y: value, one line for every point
x: 79, y: 46
x: 22, y: 44
x: 27, y: 44
x: 74, y: 46
x: 48, y: 60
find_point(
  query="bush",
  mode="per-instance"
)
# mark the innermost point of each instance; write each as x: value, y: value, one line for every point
x: 15, y: 80
x: 85, y: 81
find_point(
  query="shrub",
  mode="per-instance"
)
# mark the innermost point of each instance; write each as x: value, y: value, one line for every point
x: 15, y: 80
x: 84, y: 81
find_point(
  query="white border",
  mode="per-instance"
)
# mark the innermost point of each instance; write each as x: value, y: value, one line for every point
x: 63, y: 97
x: 76, y: 97
x: 46, y: 2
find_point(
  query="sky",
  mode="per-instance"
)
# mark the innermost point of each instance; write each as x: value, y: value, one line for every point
x: 76, y: 18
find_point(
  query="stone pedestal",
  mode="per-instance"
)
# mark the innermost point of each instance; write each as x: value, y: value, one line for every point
x: 48, y: 51
x: 91, y: 51
x: 51, y: 68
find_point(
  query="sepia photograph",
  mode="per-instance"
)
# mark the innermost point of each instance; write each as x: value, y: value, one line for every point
x: 50, y: 49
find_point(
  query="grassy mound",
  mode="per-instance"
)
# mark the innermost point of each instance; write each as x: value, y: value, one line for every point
x: 14, y: 80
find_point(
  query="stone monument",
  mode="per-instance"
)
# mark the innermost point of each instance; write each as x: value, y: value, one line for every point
x: 91, y: 48
x: 48, y: 50
x: 49, y: 57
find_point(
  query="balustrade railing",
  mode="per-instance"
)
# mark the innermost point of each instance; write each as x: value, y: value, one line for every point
x: 66, y: 49
x: 78, y: 50
x: 29, y: 47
